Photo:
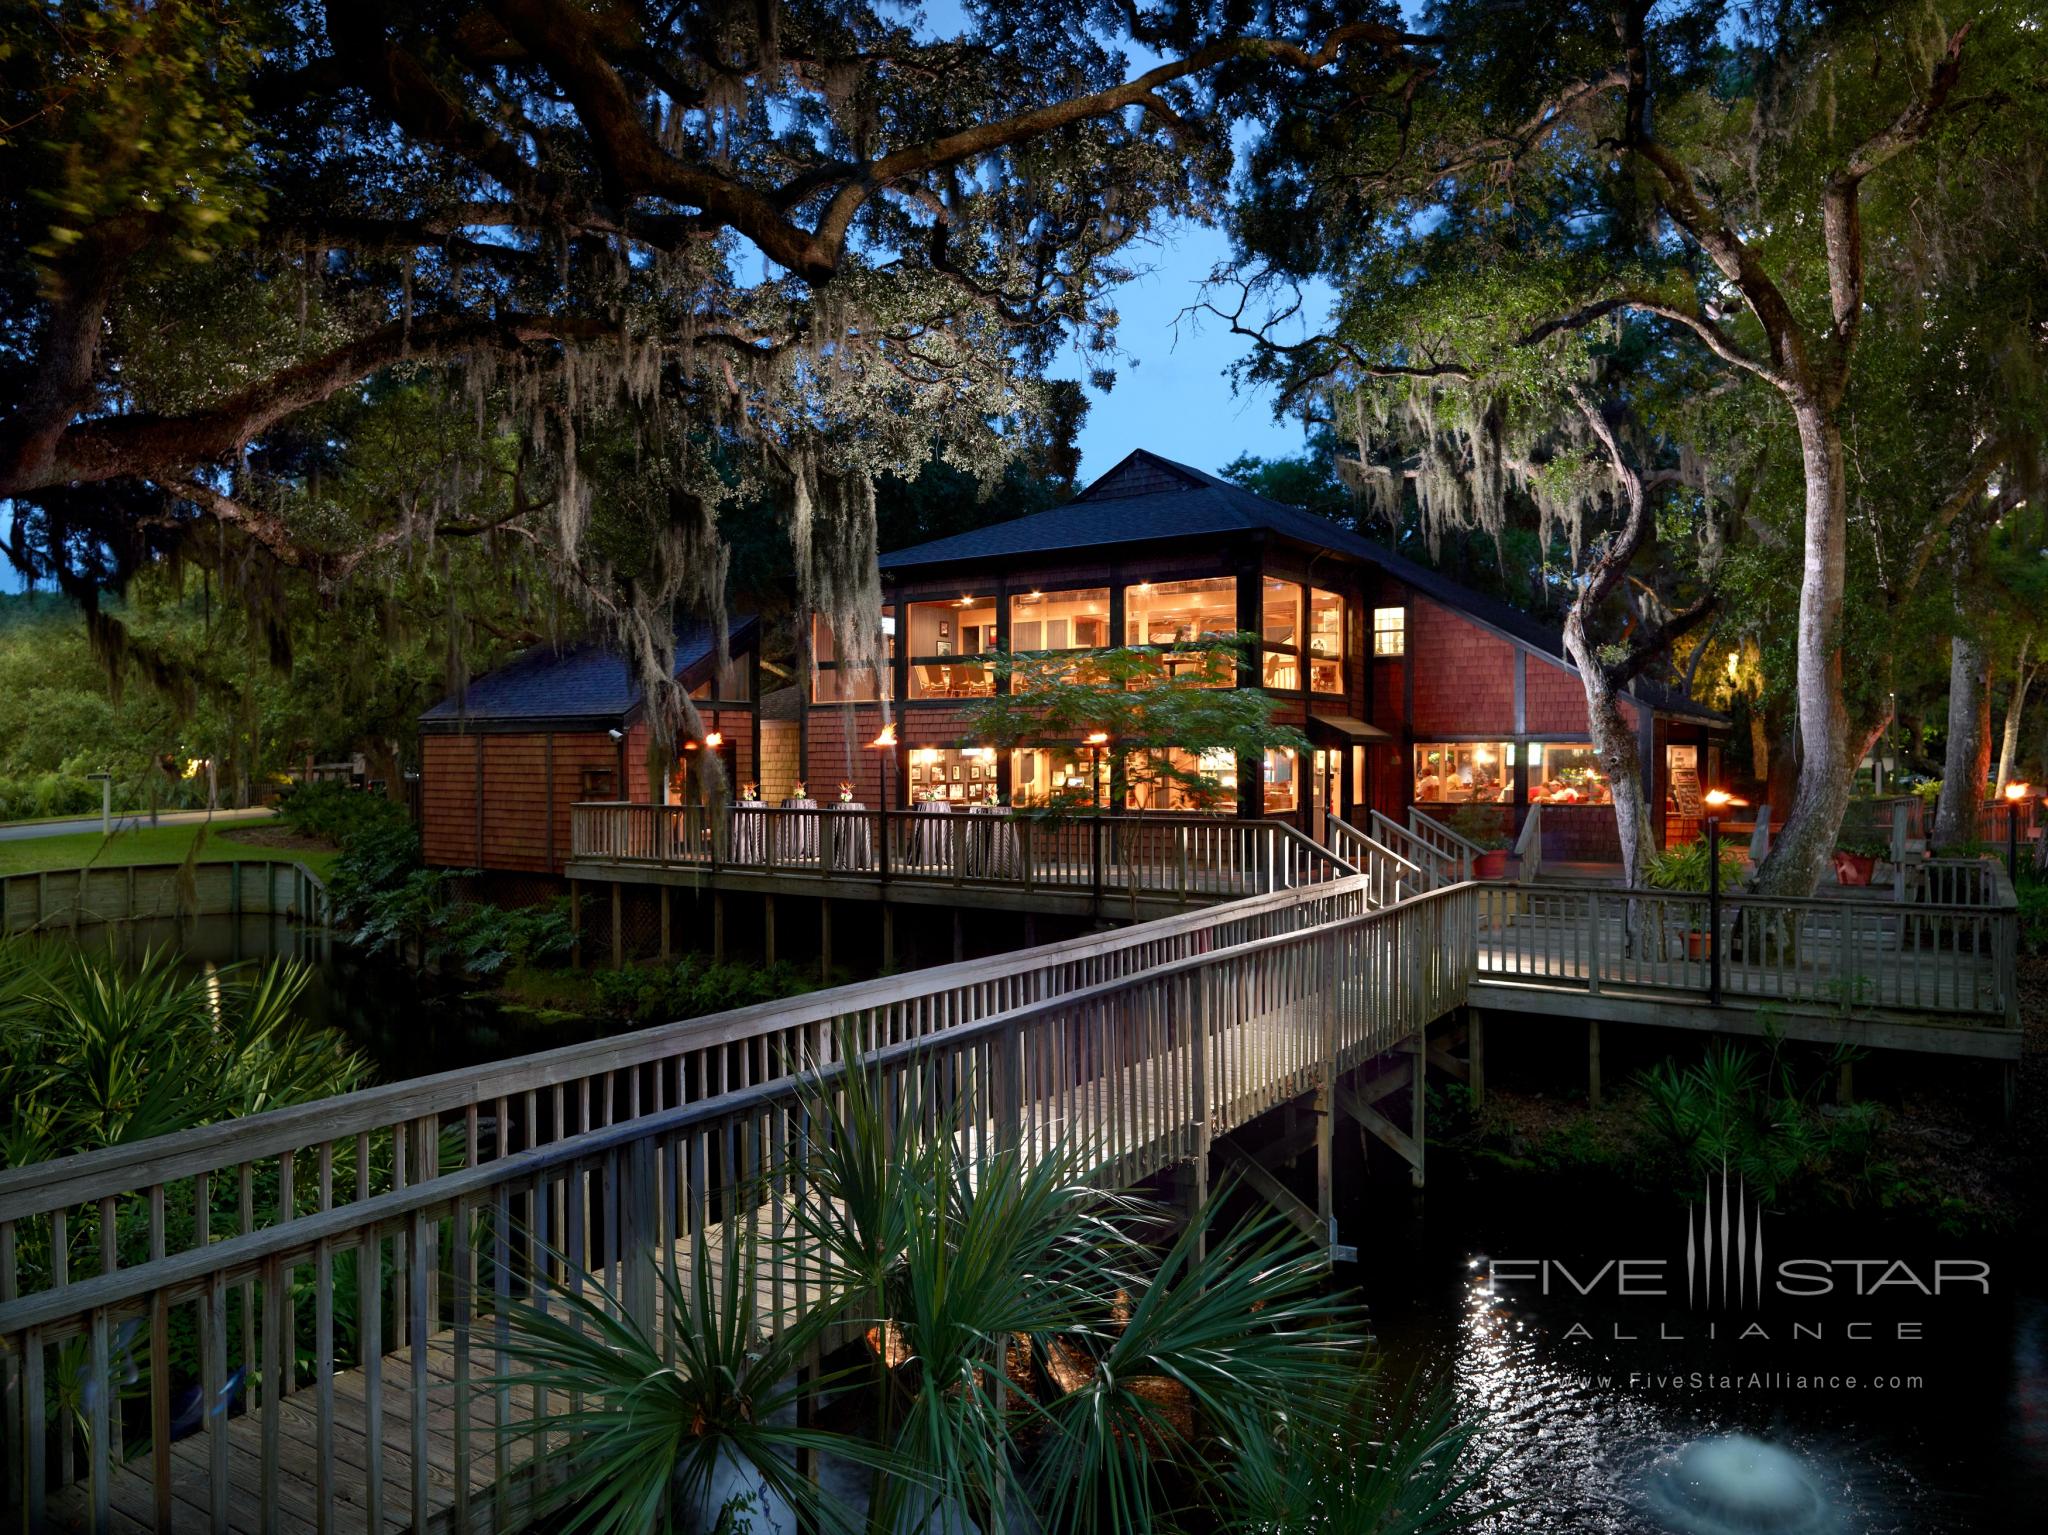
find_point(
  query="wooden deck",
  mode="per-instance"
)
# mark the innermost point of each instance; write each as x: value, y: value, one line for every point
x: 1150, y: 1043
x: 1917, y: 976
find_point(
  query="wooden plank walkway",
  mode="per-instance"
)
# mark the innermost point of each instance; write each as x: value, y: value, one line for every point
x: 1259, y: 1058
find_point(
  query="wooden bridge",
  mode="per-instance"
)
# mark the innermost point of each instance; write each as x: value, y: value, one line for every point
x: 154, y: 1295
x: 156, y: 1292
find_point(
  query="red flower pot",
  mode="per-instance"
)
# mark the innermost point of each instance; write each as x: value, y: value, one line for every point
x: 1491, y: 864
x: 1853, y: 868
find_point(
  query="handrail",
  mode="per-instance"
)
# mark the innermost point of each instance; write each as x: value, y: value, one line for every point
x: 1529, y: 846
x: 1954, y: 960
x: 1462, y: 852
x: 896, y: 1002
x: 1392, y: 877
x: 241, y: 1255
x: 1436, y: 864
x: 1178, y: 857
x: 1145, y: 1065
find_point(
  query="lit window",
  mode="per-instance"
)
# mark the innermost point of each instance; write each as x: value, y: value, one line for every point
x: 1176, y: 780
x: 1464, y: 772
x: 1389, y: 631
x: 854, y: 680
x: 1325, y: 642
x: 1568, y: 774
x: 1278, y: 776
x: 1076, y: 620
x: 962, y: 775
x: 1176, y: 612
x: 1058, y: 775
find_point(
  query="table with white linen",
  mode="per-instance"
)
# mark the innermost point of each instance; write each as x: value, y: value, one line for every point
x: 931, y: 838
x: 796, y: 836
x: 992, y: 847
x: 748, y: 841
x: 853, y: 836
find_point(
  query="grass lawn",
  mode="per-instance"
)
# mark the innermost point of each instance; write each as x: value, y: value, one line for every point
x: 158, y: 844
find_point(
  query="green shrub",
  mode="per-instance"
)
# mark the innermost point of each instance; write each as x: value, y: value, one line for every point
x: 376, y: 860
x: 337, y: 812
x: 692, y: 987
x: 1684, y: 868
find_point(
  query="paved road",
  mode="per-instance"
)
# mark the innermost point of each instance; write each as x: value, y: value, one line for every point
x: 125, y: 821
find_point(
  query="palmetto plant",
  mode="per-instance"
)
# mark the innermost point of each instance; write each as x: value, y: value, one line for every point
x: 1018, y: 1349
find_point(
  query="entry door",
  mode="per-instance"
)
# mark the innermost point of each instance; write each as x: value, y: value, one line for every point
x: 1325, y: 789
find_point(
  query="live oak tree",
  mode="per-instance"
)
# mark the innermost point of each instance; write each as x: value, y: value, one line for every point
x: 1788, y: 192
x: 673, y: 257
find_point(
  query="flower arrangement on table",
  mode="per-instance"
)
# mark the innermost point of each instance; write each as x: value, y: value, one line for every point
x: 750, y: 791
x: 798, y: 791
x: 845, y: 793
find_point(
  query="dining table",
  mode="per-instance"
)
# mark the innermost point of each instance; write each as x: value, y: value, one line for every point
x: 796, y: 836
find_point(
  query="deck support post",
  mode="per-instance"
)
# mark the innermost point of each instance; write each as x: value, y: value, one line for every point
x: 1593, y: 1062
x: 718, y: 926
x: 618, y: 926
x: 825, y: 938
x: 1416, y: 1128
x: 1845, y: 1084
x: 888, y: 937
x: 664, y: 924
x: 768, y: 928
x: 1475, y: 1055
x: 959, y: 937
x: 1326, y: 1095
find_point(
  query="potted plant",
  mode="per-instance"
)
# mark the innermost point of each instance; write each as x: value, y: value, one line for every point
x: 1684, y: 869
x: 1486, y: 828
x: 1857, y: 858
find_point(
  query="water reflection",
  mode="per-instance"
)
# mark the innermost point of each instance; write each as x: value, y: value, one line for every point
x: 1582, y: 1447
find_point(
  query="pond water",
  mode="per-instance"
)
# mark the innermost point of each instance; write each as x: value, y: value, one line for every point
x: 1611, y: 1409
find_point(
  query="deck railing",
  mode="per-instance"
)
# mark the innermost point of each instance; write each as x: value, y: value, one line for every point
x: 1458, y: 852
x: 1181, y: 858
x: 671, y: 1145
x: 1948, y: 958
x: 1438, y: 868
x: 1389, y: 876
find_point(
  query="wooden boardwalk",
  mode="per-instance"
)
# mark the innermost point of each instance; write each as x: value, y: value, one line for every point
x: 642, y: 1150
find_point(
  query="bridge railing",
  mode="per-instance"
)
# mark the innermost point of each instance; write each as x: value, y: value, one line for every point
x: 1439, y: 868
x: 1142, y: 1048
x: 1389, y: 876
x: 1955, y: 959
x: 1185, y: 858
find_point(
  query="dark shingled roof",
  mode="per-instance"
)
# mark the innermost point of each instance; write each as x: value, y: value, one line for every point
x: 1149, y: 499
x: 584, y: 684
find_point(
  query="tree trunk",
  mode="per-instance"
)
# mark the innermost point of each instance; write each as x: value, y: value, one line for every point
x: 1828, y: 754
x: 380, y: 757
x: 1614, y: 738
x: 2009, y: 746
x: 1968, y: 760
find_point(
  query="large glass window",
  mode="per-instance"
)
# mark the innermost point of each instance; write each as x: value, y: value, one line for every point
x: 1279, y: 788
x: 1389, y: 631
x: 945, y: 639
x: 1567, y: 774
x: 1174, y: 612
x: 1280, y: 636
x: 957, y: 775
x: 1075, y: 620
x: 835, y: 681
x: 1464, y: 772
x: 1325, y: 641
x: 1181, y: 781
x: 1066, y: 775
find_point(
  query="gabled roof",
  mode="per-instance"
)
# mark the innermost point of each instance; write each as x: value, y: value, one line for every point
x: 1147, y: 499
x: 586, y: 686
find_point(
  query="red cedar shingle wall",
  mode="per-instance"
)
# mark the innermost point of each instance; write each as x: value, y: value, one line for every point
x: 517, y: 807
x: 1464, y: 676
x: 1556, y: 700
x: 839, y: 750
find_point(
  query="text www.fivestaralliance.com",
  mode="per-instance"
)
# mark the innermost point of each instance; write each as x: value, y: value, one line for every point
x: 1759, y: 1380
